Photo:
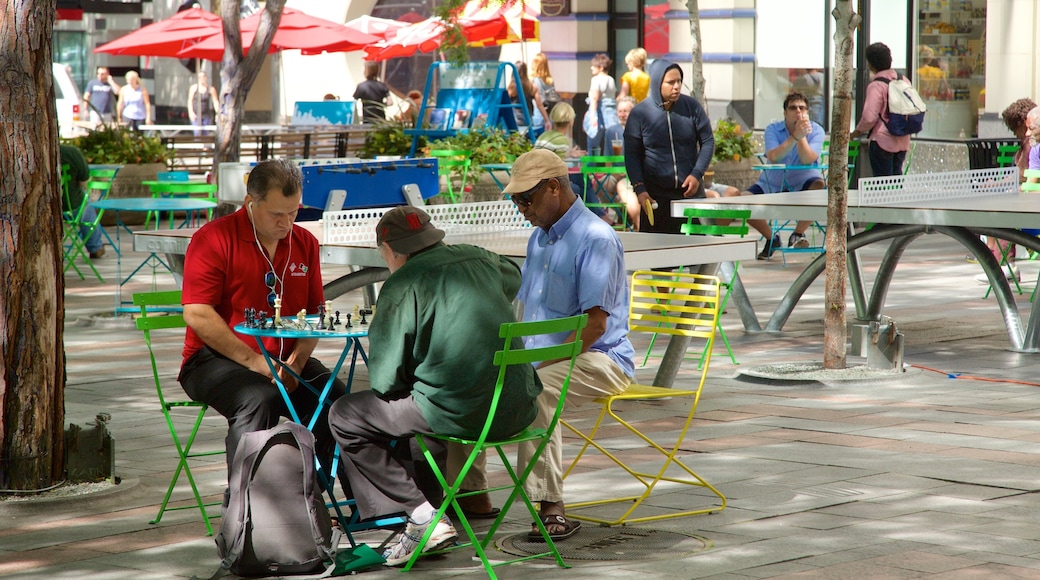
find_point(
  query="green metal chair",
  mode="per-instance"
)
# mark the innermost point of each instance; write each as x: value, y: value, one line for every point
x: 1006, y: 158
x: 705, y: 222
x: 452, y: 165
x: 73, y: 241
x: 594, y: 169
x: 512, y: 354
x: 147, y: 301
x: 207, y: 191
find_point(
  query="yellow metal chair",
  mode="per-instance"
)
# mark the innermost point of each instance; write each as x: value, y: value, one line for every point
x: 149, y: 303
x: 453, y: 165
x: 594, y: 171
x: 679, y: 304
x: 512, y: 354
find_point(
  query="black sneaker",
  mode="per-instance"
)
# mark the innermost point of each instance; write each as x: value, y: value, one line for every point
x: 797, y: 241
x: 770, y: 247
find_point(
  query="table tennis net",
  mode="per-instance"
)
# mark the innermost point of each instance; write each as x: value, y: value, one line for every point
x: 358, y: 226
x: 897, y: 189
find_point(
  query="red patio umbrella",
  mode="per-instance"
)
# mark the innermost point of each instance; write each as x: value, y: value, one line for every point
x: 166, y: 37
x: 296, y: 30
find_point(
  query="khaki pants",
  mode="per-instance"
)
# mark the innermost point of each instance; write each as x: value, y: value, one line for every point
x: 595, y: 375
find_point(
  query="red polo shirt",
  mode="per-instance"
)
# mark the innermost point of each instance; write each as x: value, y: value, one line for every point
x: 225, y: 267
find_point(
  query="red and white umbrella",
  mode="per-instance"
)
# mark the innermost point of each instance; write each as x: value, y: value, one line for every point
x: 483, y: 24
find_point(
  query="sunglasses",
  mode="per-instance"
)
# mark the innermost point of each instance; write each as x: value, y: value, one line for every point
x: 525, y: 199
x: 270, y: 279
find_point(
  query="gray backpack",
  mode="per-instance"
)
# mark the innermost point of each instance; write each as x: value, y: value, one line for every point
x: 276, y: 522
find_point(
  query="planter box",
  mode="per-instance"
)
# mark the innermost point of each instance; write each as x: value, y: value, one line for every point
x: 739, y: 174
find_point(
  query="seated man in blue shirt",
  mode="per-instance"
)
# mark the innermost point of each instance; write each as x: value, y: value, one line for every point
x: 794, y: 141
x: 575, y: 264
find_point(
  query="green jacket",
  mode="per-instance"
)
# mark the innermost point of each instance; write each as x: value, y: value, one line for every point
x: 79, y: 172
x: 435, y: 333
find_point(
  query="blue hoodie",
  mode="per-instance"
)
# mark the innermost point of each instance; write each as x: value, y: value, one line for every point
x: 664, y: 147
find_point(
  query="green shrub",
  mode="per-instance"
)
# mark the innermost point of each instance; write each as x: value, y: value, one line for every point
x: 121, y: 146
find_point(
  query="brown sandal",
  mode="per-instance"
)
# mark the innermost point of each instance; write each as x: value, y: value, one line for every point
x: 571, y: 527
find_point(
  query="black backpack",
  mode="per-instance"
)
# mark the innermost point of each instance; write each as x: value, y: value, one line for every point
x: 276, y: 522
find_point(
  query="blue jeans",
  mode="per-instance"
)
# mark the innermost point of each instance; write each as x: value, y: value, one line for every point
x: 885, y: 162
x: 92, y: 238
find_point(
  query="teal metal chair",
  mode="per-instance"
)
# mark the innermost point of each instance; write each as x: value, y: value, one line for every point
x: 512, y: 354
x: 207, y: 191
x: 148, y: 302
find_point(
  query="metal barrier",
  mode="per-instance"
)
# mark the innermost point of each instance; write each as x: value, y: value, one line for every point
x: 358, y: 226
x: 895, y: 189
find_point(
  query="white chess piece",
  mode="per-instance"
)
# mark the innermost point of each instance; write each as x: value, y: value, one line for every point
x: 277, y: 312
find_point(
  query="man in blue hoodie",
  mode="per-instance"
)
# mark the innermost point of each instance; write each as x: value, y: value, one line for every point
x: 668, y: 146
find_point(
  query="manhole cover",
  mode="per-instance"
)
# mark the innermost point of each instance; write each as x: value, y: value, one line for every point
x: 602, y: 543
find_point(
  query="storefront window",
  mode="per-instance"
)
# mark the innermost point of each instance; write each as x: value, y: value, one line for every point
x: 951, y: 65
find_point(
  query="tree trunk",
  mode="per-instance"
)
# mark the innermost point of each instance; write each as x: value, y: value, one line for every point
x: 237, y: 74
x: 32, y: 304
x: 697, y: 64
x: 834, y: 331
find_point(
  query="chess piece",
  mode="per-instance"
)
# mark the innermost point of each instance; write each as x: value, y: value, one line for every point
x: 357, y: 310
x: 321, y: 316
x: 277, y: 312
x: 328, y: 313
x: 348, y: 321
x: 363, y: 313
x: 301, y: 319
x: 337, y: 322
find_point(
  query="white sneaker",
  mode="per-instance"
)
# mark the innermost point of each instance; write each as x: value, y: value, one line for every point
x: 1010, y: 272
x: 399, y: 554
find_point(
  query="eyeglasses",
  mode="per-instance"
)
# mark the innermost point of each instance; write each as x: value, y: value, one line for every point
x: 797, y: 108
x: 271, y: 279
x: 525, y: 199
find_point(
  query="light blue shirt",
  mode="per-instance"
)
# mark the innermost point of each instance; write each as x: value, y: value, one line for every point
x: 577, y: 265
x: 775, y: 180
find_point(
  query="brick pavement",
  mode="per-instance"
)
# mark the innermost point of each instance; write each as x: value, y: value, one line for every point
x: 920, y: 477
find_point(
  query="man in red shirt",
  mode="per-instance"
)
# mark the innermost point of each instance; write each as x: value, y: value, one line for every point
x: 248, y: 260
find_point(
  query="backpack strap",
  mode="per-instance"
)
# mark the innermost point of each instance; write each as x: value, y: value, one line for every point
x: 305, y: 444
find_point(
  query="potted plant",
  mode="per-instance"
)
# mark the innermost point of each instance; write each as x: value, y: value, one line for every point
x: 488, y: 145
x: 388, y: 140
x: 734, y: 156
x: 142, y: 158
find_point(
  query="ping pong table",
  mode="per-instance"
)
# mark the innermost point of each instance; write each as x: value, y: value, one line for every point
x: 961, y: 205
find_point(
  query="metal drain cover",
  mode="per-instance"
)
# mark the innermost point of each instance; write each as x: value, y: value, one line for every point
x: 602, y: 543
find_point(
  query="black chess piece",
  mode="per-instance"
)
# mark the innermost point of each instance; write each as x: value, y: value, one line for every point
x: 321, y: 317
x: 348, y: 321
x: 336, y: 322
x: 364, y: 313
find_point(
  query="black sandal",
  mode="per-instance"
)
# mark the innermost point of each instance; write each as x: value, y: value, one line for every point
x: 571, y: 527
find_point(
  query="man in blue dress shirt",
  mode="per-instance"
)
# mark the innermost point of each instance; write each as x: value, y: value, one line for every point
x: 575, y: 264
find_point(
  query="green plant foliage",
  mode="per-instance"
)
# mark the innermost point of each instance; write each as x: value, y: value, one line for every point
x: 732, y: 144
x: 489, y: 145
x: 121, y: 146
x: 388, y: 139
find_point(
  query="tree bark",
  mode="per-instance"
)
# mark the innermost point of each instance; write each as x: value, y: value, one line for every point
x: 696, y: 61
x: 32, y: 305
x: 237, y: 74
x: 834, y: 330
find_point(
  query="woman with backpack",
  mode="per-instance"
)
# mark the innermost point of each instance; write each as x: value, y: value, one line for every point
x: 887, y: 152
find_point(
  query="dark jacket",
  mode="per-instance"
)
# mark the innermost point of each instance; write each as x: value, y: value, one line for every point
x: 664, y: 147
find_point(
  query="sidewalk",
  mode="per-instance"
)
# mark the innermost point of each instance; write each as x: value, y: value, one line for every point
x: 919, y: 477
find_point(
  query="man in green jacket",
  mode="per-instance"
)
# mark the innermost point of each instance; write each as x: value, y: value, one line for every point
x: 432, y: 344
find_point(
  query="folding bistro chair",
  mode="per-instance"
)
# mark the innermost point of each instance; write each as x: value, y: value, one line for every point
x: 207, y: 191
x: 147, y: 324
x: 594, y: 170
x: 102, y: 180
x: 690, y: 309
x: 453, y: 164
x: 512, y: 354
x: 73, y: 241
